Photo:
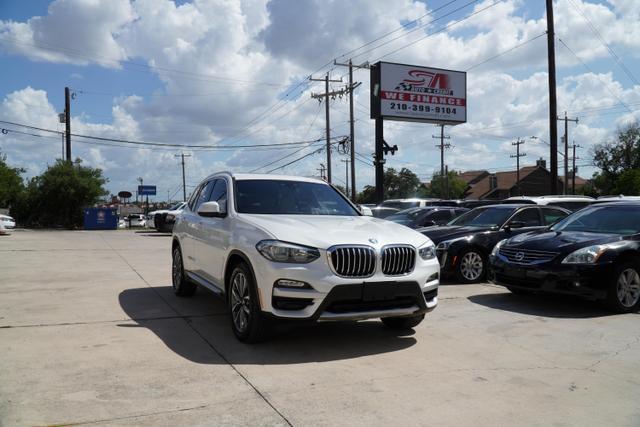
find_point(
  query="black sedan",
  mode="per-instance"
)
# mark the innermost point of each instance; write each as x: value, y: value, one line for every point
x: 594, y: 253
x: 463, y: 246
x: 426, y: 216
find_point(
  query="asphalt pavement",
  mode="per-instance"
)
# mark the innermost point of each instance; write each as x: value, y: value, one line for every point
x: 91, y: 333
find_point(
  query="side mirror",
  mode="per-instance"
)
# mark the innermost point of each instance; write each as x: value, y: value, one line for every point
x: 516, y: 224
x: 365, y: 210
x: 210, y: 209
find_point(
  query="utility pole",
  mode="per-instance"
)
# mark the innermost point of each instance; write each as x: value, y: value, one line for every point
x: 346, y: 175
x: 446, y: 172
x: 67, y: 121
x: 553, y: 107
x: 326, y: 96
x: 352, y: 135
x: 140, y: 181
x: 517, y: 156
x: 321, y: 169
x: 566, y: 150
x: 184, y: 184
x: 573, y: 170
x: 442, y: 146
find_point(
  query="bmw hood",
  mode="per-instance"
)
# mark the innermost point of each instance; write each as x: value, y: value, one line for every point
x: 324, y: 231
x: 559, y: 241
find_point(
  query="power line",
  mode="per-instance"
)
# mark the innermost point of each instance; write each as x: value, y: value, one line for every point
x: 506, y: 51
x: 595, y: 74
x: 162, y: 144
x: 446, y: 27
x: 613, y: 55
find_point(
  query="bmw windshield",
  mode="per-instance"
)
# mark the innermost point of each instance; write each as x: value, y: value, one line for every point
x: 623, y: 220
x: 281, y: 197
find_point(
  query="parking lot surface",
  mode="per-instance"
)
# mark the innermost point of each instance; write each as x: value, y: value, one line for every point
x: 90, y: 332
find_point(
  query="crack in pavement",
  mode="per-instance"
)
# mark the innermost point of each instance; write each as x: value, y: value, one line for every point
x: 190, y: 325
x: 615, y: 353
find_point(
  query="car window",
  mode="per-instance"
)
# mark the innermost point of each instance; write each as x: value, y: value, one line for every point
x: 204, y: 194
x: 192, y: 200
x: 551, y: 216
x: 400, y: 205
x: 529, y: 217
x: 623, y: 220
x: 484, y: 217
x: 443, y: 215
x: 219, y: 194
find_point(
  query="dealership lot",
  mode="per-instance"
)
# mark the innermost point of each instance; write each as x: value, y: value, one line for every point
x: 90, y: 332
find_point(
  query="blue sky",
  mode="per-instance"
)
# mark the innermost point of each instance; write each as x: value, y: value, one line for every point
x: 220, y: 72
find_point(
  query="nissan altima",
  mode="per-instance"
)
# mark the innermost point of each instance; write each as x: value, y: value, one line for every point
x: 593, y: 253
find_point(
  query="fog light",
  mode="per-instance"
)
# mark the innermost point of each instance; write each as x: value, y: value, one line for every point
x: 576, y: 284
x: 434, y: 276
x: 287, y: 283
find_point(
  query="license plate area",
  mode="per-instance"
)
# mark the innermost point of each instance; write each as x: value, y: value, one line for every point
x: 379, y: 291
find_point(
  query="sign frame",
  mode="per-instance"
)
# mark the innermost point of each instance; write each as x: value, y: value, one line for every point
x: 146, y: 190
x: 376, y: 99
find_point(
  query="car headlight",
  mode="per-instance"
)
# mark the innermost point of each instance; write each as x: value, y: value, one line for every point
x: 428, y: 251
x: 444, y: 245
x: 277, y: 251
x: 496, y: 248
x: 588, y: 255
x: 170, y: 217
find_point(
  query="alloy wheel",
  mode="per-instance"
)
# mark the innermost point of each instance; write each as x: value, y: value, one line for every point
x: 628, y: 287
x: 471, y: 266
x: 176, y: 269
x: 240, y: 302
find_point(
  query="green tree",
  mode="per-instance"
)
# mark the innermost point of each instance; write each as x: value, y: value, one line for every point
x: 11, y: 184
x: 397, y: 185
x: 628, y: 183
x: 56, y: 198
x: 437, y: 188
x: 614, y: 158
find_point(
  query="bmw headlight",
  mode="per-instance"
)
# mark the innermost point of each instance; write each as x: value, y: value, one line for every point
x: 496, y: 248
x: 428, y: 251
x: 588, y: 255
x: 277, y: 251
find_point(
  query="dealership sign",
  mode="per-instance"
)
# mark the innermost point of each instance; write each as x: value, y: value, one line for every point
x: 418, y: 94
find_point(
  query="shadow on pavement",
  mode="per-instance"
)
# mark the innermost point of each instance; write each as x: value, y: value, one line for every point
x: 543, y: 305
x: 290, y: 343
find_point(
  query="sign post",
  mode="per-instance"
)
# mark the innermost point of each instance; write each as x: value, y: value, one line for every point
x: 414, y: 94
x: 147, y: 190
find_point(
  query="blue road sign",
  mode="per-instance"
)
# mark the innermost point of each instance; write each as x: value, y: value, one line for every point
x: 146, y: 190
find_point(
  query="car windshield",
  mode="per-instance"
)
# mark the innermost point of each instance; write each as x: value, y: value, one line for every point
x: 282, y: 197
x: 622, y: 220
x: 406, y: 216
x: 483, y: 217
x: 400, y: 204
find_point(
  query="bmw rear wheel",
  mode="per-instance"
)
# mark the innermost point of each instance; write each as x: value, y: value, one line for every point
x: 181, y: 285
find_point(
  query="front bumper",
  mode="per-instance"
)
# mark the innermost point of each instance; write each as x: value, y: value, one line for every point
x: 330, y: 297
x: 588, y: 281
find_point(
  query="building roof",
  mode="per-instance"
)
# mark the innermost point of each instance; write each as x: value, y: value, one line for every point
x: 470, y: 176
x: 505, y: 181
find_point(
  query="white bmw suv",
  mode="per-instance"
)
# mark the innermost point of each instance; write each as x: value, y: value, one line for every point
x: 283, y: 247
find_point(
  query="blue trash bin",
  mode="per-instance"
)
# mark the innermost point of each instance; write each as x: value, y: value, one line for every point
x: 100, y: 219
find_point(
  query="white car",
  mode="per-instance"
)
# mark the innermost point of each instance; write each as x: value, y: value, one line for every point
x: 7, y: 221
x: 283, y: 247
x: 137, y: 220
x: 571, y: 202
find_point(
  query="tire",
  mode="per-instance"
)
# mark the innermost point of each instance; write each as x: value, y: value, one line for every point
x: 623, y: 293
x: 248, y: 323
x: 472, y: 266
x: 402, y: 322
x: 182, y: 286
